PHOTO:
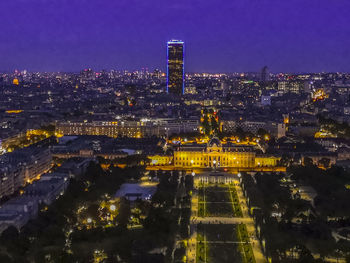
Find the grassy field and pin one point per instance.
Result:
(221, 242)
(244, 246)
(216, 243)
(218, 200)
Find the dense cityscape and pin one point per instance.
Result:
(152, 166)
(121, 141)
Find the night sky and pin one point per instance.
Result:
(220, 35)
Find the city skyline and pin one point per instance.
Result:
(187, 131)
(221, 36)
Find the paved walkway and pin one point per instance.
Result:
(221, 220)
(192, 242)
(246, 219)
(257, 249)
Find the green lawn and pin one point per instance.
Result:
(219, 209)
(245, 247)
(215, 244)
(218, 200)
(235, 201)
(218, 242)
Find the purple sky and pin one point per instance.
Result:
(220, 35)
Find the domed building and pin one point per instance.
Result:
(214, 154)
(214, 142)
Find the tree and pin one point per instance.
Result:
(214, 124)
(206, 125)
(305, 255)
(93, 171)
(92, 211)
(240, 133)
(158, 220)
(325, 162)
(308, 161)
(9, 234)
(124, 213)
(5, 258)
(262, 132)
(189, 182)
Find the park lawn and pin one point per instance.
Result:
(219, 209)
(219, 201)
(218, 232)
(219, 253)
(209, 251)
(201, 194)
(235, 200)
(201, 209)
(201, 249)
(245, 247)
(217, 194)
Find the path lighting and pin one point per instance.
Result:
(112, 208)
(89, 220)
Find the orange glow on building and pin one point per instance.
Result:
(14, 111)
(319, 95)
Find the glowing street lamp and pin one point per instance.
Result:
(214, 162)
(89, 220)
(193, 173)
(112, 207)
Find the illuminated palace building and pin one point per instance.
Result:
(175, 67)
(215, 155)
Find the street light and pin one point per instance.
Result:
(214, 162)
(193, 173)
(112, 208)
(89, 220)
(239, 175)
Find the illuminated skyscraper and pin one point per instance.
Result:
(175, 67)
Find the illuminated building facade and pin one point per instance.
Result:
(285, 87)
(133, 129)
(214, 154)
(108, 128)
(157, 160)
(21, 167)
(175, 67)
(274, 128)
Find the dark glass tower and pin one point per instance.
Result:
(175, 67)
